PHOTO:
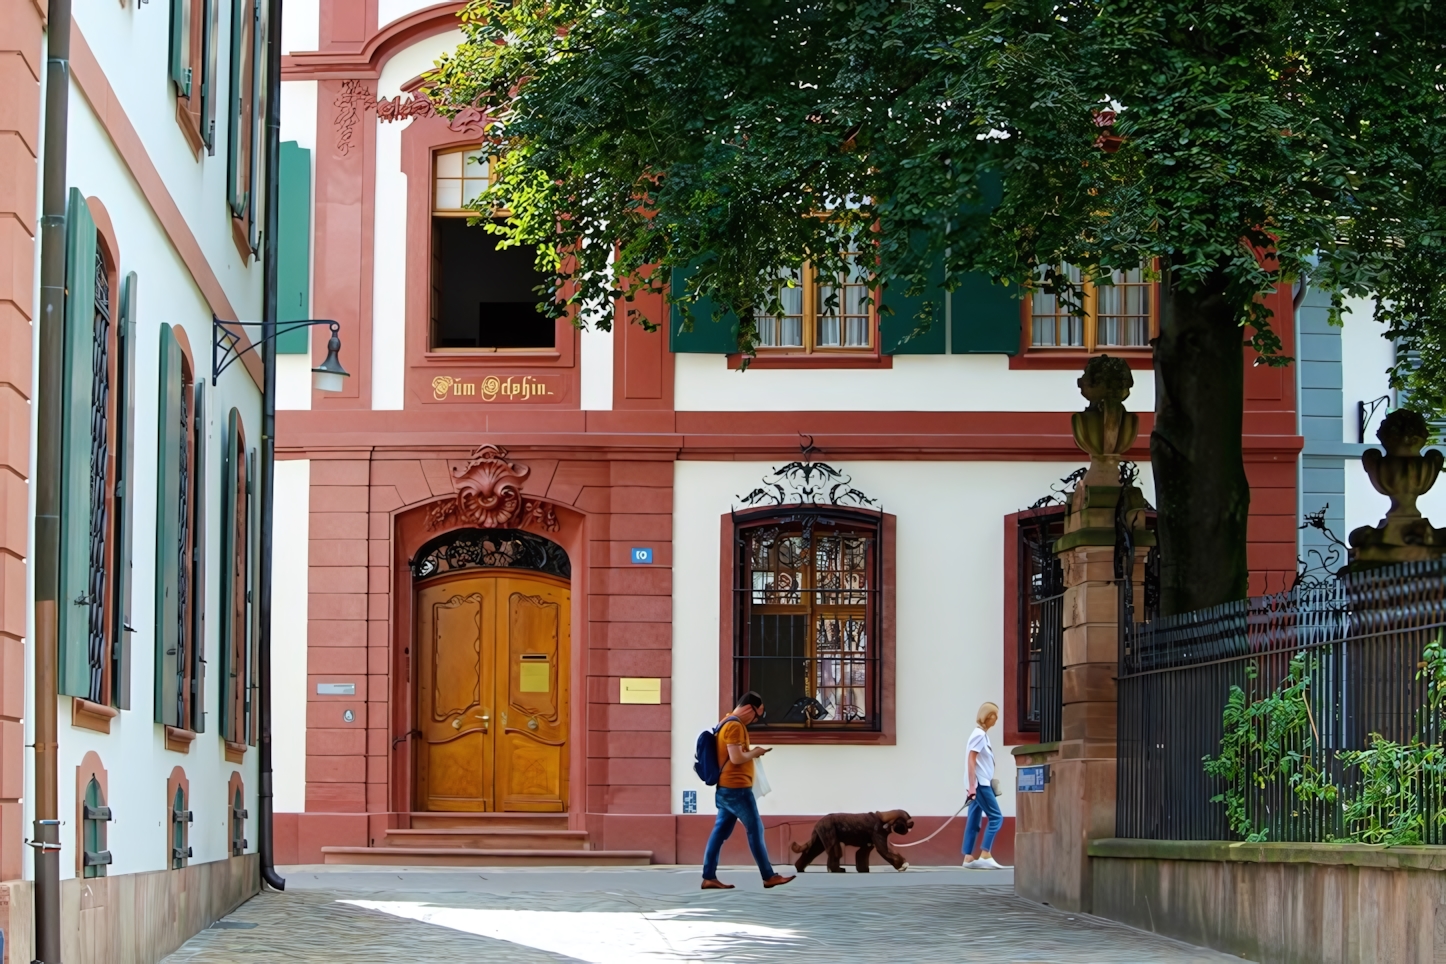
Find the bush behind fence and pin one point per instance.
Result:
(1311, 715)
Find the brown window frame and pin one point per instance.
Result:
(810, 308)
(736, 608)
(1019, 728)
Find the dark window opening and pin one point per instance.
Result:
(484, 298)
(1041, 624)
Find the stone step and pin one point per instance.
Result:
(464, 857)
(436, 819)
(487, 838)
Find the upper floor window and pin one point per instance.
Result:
(246, 116)
(1119, 314)
(807, 618)
(484, 298)
(821, 312)
(180, 540)
(193, 61)
(96, 444)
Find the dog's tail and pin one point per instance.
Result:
(797, 847)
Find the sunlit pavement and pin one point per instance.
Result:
(650, 915)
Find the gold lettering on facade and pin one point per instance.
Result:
(491, 388)
(440, 385)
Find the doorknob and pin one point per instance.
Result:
(484, 718)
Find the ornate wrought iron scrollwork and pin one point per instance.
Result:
(99, 461)
(183, 557)
(1320, 567)
(1059, 491)
(490, 549)
(807, 483)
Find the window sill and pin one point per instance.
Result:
(502, 356)
(766, 736)
(235, 752)
(242, 242)
(818, 359)
(91, 716)
(1073, 359)
(179, 740)
(189, 124)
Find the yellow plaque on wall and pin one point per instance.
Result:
(640, 689)
(535, 677)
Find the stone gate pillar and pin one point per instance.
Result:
(1053, 827)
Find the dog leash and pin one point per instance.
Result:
(931, 836)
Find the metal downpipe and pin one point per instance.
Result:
(265, 799)
(46, 554)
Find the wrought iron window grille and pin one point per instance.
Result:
(94, 599)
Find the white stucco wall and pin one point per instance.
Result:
(949, 648)
(916, 383)
(1365, 357)
(290, 566)
(133, 753)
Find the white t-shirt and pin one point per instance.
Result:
(984, 763)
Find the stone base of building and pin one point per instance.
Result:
(1279, 902)
(129, 918)
(672, 838)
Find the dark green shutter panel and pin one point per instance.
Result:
(293, 242)
(181, 46)
(168, 527)
(708, 336)
(985, 317)
(123, 574)
(230, 465)
(198, 562)
(210, 37)
(75, 472)
(900, 320)
(253, 519)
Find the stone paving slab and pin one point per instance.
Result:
(649, 918)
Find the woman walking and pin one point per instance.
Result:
(983, 801)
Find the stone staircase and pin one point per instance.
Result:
(485, 840)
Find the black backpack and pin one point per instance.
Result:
(705, 754)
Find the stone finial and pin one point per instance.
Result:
(1403, 474)
(1105, 429)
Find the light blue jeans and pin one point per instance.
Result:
(736, 804)
(984, 805)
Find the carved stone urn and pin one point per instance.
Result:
(1105, 429)
(1404, 474)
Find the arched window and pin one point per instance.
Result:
(236, 602)
(180, 829)
(96, 444)
(94, 816)
(807, 625)
(238, 816)
(180, 544)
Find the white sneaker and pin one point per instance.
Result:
(988, 863)
(969, 862)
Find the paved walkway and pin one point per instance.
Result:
(654, 915)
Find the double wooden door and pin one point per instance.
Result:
(492, 692)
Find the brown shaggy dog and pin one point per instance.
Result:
(866, 831)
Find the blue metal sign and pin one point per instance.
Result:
(642, 556)
(690, 801)
(1032, 779)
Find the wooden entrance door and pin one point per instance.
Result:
(492, 692)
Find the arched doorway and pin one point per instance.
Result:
(493, 613)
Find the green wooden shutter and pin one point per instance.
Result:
(253, 519)
(168, 526)
(984, 317)
(210, 38)
(121, 567)
(900, 321)
(707, 336)
(293, 248)
(181, 46)
(230, 465)
(198, 562)
(75, 473)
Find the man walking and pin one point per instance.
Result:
(735, 798)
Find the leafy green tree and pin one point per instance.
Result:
(1001, 135)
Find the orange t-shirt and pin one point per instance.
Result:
(734, 775)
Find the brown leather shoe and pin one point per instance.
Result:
(777, 880)
(715, 884)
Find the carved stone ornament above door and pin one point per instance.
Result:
(489, 495)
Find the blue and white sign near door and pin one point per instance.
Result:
(690, 801)
(642, 556)
(1032, 779)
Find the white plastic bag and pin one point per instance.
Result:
(761, 786)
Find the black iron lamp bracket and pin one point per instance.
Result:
(226, 335)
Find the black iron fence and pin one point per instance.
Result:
(1310, 715)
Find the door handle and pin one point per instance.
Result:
(485, 719)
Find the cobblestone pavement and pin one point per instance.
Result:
(654, 915)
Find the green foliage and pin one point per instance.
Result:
(1399, 788)
(1188, 134)
(1272, 739)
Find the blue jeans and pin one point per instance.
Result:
(735, 804)
(984, 804)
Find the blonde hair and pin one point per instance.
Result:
(984, 710)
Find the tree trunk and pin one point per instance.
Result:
(1199, 466)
